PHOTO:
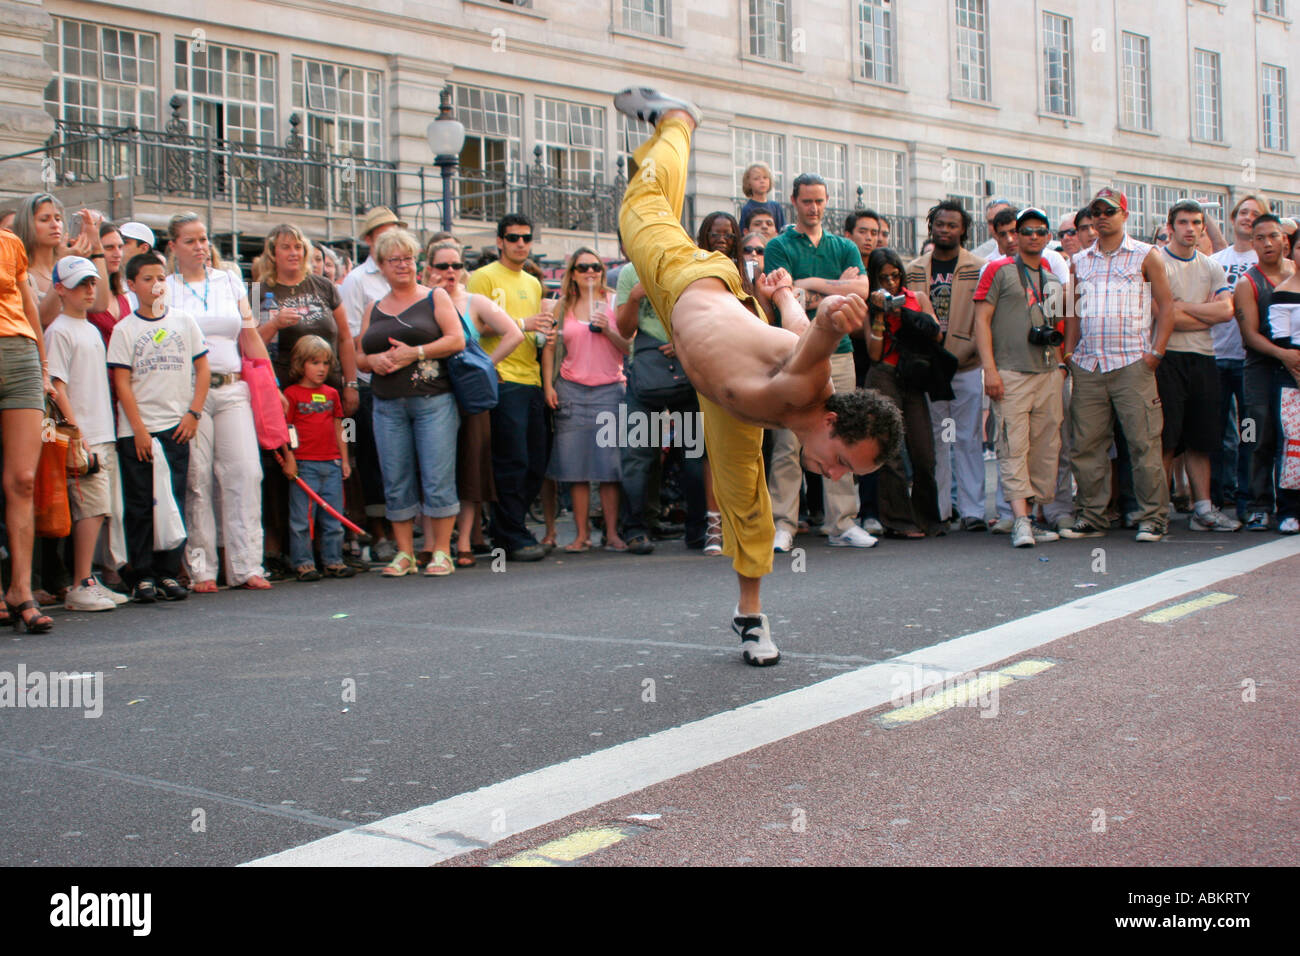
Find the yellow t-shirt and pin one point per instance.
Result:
(521, 296)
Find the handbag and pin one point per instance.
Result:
(1289, 425)
(264, 397)
(50, 497)
(79, 462)
(657, 379)
(473, 376)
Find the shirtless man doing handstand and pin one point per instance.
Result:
(749, 375)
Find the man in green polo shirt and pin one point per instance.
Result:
(821, 264)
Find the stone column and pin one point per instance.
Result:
(413, 88)
(24, 124)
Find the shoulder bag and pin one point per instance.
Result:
(473, 376)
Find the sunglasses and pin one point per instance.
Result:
(1104, 212)
(1067, 232)
(444, 266)
(754, 250)
(1036, 231)
(588, 267)
(518, 237)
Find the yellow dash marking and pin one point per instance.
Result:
(567, 849)
(1174, 612)
(1026, 668)
(967, 693)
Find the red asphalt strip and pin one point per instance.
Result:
(1139, 727)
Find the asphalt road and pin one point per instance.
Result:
(230, 729)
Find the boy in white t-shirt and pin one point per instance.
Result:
(160, 368)
(75, 351)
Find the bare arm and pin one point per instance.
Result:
(1248, 319)
(859, 286)
(1216, 235)
(362, 359)
(984, 344)
(779, 289)
(498, 320)
(836, 317)
(126, 398)
(1218, 309)
(1162, 296)
(32, 311)
(625, 315)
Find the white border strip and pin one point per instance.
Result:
(463, 823)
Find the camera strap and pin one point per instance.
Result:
(1035, 300)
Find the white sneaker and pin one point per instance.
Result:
(872, 526)
(853, 537)
(1148, 533)
(117, 599)
(1022, 535)
(648, 104)
(1003, 526)
(1288, 526)
(1044, 534)
(782, 541)
(755, 638)
(84, 598)
(1212, 520)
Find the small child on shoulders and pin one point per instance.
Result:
(320, 460)
(756, 184)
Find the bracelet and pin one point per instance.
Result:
(1063, 367)
(96, 255)
(347, 385)
(419, 352)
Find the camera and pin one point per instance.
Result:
(893, 303)
(1045, 336)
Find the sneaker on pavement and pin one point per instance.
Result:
(853, 537)
(144, 592)
(755, 638)
(1257, 521)
(1213, 520)
(782, 541)
(1022, 534)
(117, 599)
(873, 526)
(529, 552)
(86, 597)
(383, 552)
(974, 524)
(1148, 532)
(1288, 526)
(1044, 534)
(648, 104)
(1003, 526)
(172, 590)
(1082, 529)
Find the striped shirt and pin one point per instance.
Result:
(1114, 306)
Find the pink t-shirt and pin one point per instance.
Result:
(590, 358)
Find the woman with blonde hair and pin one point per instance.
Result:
(582, 379)
(481, 316)
(225, 470)
(405, 338)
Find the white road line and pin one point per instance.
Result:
(459, 824)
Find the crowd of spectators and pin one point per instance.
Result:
(1115, 382)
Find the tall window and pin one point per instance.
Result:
(967, 187)
(342, 108)
(102, 75)
(1209, 117)
(880, 174)
(769, 29)
(1138, 225)
(572, 136)
(1015, 184)
(1136, 83)
(972, 50)
(1275, 7)
(1273, 107)
(493, 130)
(1058, 65)
(646, 16)
(230, 91)
(876, 41)
(828, 160)
(1059, 195)
(632, 132)
(755, 146)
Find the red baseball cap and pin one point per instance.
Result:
(1112, 196)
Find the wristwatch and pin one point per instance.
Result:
(347, 385)
(419, 352)
(197, 415)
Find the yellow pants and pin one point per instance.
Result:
(667, 261)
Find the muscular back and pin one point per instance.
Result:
(738, 361)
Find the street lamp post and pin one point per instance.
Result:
(446, 138)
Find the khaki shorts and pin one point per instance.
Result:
(90, 496)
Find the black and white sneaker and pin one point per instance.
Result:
(755, 638)
(144, 592)
(648, 105)
(1081, 529)
(172, 590)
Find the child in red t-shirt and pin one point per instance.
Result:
(320, 459)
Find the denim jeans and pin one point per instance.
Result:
(639, 512)
(326, 479)
(416, 439)
(1233, 457)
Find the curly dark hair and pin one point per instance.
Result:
(866, 413)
